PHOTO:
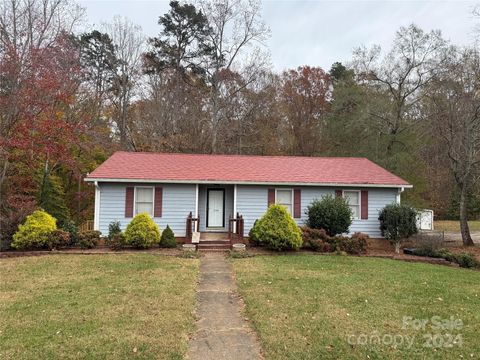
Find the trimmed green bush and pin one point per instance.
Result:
(467, 261)
(114, 229)
(463, 260)
(168, 238)
(252, 240)
(70, 227)
(331, 214)
(35, 232)
(398, 222)
(277, 230)
(142, 232)
(58, 239)
(88, 239)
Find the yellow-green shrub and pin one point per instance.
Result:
(142, 232)
(35, 232)
(277, 230)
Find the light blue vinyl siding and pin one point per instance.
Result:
(178, 201)
(202, 205)
(252, 204)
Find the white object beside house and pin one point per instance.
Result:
(425, 219)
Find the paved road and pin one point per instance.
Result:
(222, 333)
(453, 237)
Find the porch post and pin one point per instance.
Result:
(196, 207)
(234, 207)
(96, 215)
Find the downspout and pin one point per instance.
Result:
(96, 215)
(400, 190)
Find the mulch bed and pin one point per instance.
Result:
(379, 248)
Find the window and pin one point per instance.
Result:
(353, 199)
(144, 200)
(284, 197)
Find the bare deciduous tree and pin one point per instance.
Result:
(400, 76)
(237, 37)
(128, 41)
(454, 99)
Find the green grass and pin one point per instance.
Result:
(451, 225)
(307, 306)
(96, 306)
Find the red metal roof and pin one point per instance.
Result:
(129, 166)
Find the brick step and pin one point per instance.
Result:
(212, 250)
(213, 235)
(213, 246)
(217, 242)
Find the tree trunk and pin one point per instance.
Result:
(397, 247)
(464, 229)
(3, 176)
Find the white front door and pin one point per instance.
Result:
(215, 208)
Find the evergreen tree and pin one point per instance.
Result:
(51, 198)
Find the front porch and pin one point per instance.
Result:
(215, 224)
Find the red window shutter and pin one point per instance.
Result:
(338, 193)
(297, 203)
(364, 205)
(129, 202)
(271, 196)
(157, 208)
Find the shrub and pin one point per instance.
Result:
(116, 242)
(357, 244)
(35, 232)
(142, 232)
(317, 239)
(398, 222)
(252, 240)
(88, 239)
(277, 230)
(167, 239)
(463, 260)
(331, 214)
(114, 229)
(70, 227)
(467, 261)
(58, 239)
(10, 219)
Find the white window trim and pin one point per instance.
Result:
(359, 202)
(135, 199)
(285, 189)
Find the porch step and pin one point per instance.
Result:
(203, 246)
(215, 242)
(210, 236)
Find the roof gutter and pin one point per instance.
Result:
(232, 182)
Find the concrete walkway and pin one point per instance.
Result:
(222, 333)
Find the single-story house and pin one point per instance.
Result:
(217, 188)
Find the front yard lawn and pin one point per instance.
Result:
(336, 307)
(96, 306)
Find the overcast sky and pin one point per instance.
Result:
(319, 33)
